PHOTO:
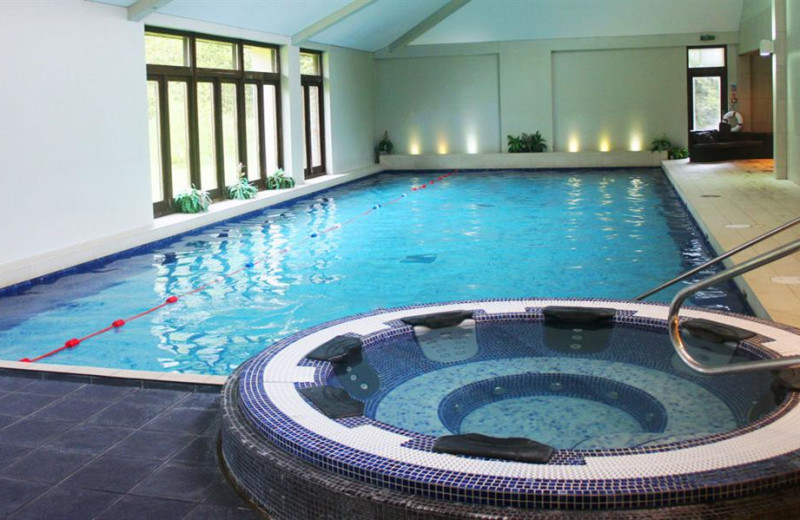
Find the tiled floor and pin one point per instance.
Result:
(77, 451)
(737, 201)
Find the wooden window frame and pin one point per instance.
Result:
(701, 72)
(307, 81)
(193, 75)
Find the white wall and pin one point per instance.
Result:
(619, 99)
(756, 24)
(793, 88)
(351, 118)
(74, 133)
(642, 81)
(439, 104)
(73, 126)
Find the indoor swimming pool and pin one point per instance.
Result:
(389, 240)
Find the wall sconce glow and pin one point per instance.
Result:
(605, 145)
(766, 48)
(573, 145)
(636, 144)
(472, 144)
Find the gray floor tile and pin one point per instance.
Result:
(139, 508)
(214, 512)
(221, 493)
(5, 420)
(126, 415)
(205, 400)
(16, 494)
(184, 420)
(151, 445)
(24, 404)
(32, 432)
(89, 439)
(10, 453)
(105, 393)
(51, 387)
(46, 465)
(152, 397)
(70, 410)
(107, 473)
(202, 450)
(178, 481)
(67, 504)
(12, 384)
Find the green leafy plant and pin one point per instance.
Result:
(663, 144)
(279, 180)
(192, 200)
(242, 189)
(535, 142)
(515, 144)
(527, 143)
(385, 145)
(677, 152)
(660, 144)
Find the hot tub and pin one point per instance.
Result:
(406, 413)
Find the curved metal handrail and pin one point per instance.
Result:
(723, 256)
(673, 321)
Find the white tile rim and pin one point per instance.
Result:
(750, 447)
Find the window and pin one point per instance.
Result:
(313, 114)
(707, 87)
(212, 103)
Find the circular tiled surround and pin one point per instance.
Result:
(377, 454)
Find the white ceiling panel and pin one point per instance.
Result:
(379, 24)
(509, 20)
(382, 22)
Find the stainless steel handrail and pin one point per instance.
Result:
(673, 321)
(721, 257)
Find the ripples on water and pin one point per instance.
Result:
(592, 234)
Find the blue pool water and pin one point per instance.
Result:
(610, 234)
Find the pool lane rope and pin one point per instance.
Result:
(119, 323)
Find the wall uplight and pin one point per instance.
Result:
(573, 145)
(472, 144)
(636, 143)
(413, 148)
(441, 148)
(605, 145)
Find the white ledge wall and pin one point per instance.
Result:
(74, 134)
(523, 160)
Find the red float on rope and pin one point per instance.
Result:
(74, 342)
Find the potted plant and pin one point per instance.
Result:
(385, 145)
(527, 143)
(535, 142)
(662, 144)
(242, 189)
(279, 180)
(515, 144)
(192, 200)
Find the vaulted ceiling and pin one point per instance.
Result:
(379, 23)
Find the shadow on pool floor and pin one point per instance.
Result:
(82, 451)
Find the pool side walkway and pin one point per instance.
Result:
(736, 201)
(70, 450)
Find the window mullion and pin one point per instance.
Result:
(166, 152)
(262, 156)
(218, 143)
